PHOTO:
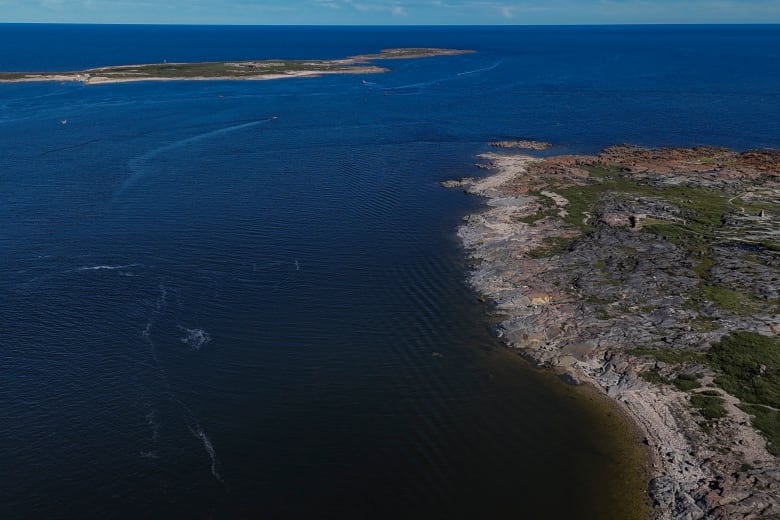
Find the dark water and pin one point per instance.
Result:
(208, 312)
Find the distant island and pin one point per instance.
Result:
(653, 275)
(231, 70)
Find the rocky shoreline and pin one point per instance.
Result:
(653, 275)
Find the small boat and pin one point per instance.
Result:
(64, 122)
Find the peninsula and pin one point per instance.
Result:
(654, 275)
(231, 70)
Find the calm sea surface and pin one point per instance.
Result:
(207, 312)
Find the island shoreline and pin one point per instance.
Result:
(249, 70)
(724, 473)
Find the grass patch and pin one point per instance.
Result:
(739, 358)
(704, 266)
(709, 406)
(602, 313)
(676, 357)
(582, 204)
(236, 69)
(772, 246)
(552, 246)
(704, 324)
(768, 421)
(686, 382)
(598, 300)
(7, 76)
(704, 208)
(749, 367)
(536, 217)
(653, 376)
(673, 232)
(727, 299)
(543, 200)
(745, 467)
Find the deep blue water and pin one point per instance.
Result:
(209, 312)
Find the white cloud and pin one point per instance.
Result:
(330, 4)
(394, 8)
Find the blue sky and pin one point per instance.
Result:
(391, 12)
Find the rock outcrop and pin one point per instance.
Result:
(636, 270)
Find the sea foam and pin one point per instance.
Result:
(106, 267)
(195, 338)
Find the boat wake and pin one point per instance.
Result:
(477, 71)
(139, 165)
(433, 83)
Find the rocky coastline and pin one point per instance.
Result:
(654, 275)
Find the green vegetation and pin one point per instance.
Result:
(212, 69)
(709, 406)
(551, 246)
(676, 233)
(686, 382)
(241, 69)
(727, 299)
(703, 208)
(683, 382)
(704, 266)
(653, 376)
(192, 70)
(582, 204)
(602, 313)
(536, 217)
(749, 365)
(543, 200)
(704, 324)
(710, 393)
(749, 368)
(746, 364)
(768, 422)
(676, 357)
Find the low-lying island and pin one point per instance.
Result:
(231, 70)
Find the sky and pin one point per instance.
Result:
(391, 12)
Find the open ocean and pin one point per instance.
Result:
(207, 312)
